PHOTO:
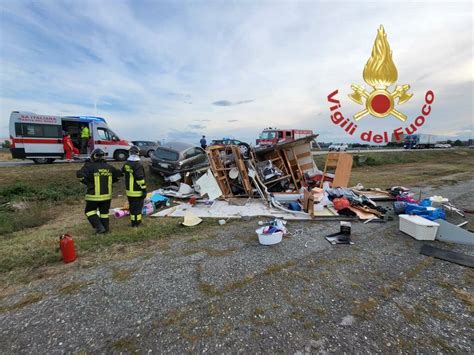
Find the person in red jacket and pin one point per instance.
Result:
(69, 148)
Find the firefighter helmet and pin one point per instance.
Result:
(97, 154)
(134, 150)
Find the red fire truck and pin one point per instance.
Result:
(271, 136)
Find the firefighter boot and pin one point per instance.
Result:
(139, 220)
(133, 220)
(136, 220)
(105, 223)
(95, 222)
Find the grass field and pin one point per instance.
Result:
(51, 204)
(5, 154)
(409, 168)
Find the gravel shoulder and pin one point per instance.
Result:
(220, 291)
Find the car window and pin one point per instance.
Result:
(166, 154)
(192, 152)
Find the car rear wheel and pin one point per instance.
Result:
(43, 160)
(244, 150)
(120, 155)
(150, 153)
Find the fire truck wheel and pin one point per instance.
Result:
(120, 155)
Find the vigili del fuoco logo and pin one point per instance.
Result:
(380, 102)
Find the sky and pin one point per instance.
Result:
(175, 70)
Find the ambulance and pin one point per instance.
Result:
(40, 137)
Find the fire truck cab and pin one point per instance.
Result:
(271, 136)
(40, 137)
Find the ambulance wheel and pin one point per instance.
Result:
(43, 160)
(120, 155)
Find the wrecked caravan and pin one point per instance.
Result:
(40, 137)
(282, 168)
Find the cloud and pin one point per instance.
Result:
(196, 126)
(141, 64)
(179, 95)
(174, 134)
(230, 103)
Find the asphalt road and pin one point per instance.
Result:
(9, 163)
(15, 163)
(357, 151)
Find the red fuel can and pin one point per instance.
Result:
(66, 245)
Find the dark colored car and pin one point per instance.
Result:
(244, 147)
(147, 148)
(177, 157)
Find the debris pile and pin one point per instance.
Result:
(281, 181)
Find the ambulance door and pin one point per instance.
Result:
(103, 139)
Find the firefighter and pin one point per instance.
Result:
(85, 134)
(98, 176)
(134, 176)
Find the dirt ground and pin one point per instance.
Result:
(217, 290)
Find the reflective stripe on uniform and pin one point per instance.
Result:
(139, 217)
(98, 198)
(134, 193)
(130, 182)
(97, 184)
(104, 215)
(141, 183)
(91, 213)
(110, 185)
(132, 217)
(131, 192)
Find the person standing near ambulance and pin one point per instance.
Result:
(98, 176)
(134, 177)
(69, 149)
(85, 135)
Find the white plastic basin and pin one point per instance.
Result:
(269, 239)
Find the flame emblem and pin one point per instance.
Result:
(380, 72)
